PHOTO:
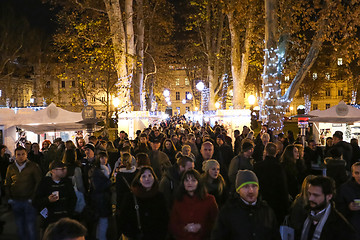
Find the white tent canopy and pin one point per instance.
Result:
(340, 113)
(49, 119)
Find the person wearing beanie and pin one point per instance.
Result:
(245, 216)
(242, 161)
(87, 164)
(214, 181)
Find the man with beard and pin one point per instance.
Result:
(324, 222)
(245, 216)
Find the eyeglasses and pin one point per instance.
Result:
(62, 169)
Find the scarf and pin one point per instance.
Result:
(321, 218)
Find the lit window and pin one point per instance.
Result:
(177, 81)
(178, 110)
(340, 61)
(314, 76)
(327, 76)
(328, 92)
(177, 95)
(0, 93)
(340, 92)
(287, 78)
(187, 81)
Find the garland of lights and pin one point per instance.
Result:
(273, 103)
(307, 103)
(353, 97)
(205, 97)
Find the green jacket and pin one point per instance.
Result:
(22, 185)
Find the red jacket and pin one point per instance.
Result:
(193, 210)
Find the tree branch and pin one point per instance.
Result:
(90, 8)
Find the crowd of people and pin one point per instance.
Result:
(180, 180)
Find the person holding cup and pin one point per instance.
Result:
(55, 196)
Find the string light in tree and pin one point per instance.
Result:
(273, 104)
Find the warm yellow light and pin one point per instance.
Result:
(291, 108)
(116, 102)
(217, 105)
(251, 99)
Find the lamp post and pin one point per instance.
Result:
(200, 87)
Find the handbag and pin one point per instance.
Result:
(140, 235)
(80, 201)
(287, 232)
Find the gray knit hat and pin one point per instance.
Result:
(244, 177)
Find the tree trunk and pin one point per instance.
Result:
(139, 74)
(271, 104)
(117, 30)
(239, 61)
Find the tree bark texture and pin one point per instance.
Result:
(117, 30)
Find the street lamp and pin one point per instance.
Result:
(200, 87)
(217, 105)
(166, 93)
(189, 96)
(251, 100)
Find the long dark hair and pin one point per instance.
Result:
(200, 191)
(288, 161)
(173, 148)
(136, 182)
(70, 159)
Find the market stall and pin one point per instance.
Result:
(342, 117)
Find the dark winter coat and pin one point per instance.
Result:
(237, 220)
(347, 193)
(159, 162)
(154, 216)
(336, 228)
(335, 168)
(227, 153)
(239, 162)
(346, 150)
(121, 187)
(100, 193)
(64, 207)
(273, 187)
(169, 183)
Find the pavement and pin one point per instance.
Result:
(7, 216)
